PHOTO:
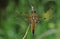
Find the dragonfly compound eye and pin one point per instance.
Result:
(33, 11)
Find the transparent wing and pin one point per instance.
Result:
(22, 16)
(46, 16)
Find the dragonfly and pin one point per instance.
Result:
(34, 18)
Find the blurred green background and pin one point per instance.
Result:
(14, 19)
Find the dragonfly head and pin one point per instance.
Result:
(33, 10)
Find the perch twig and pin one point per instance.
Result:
(26, 33)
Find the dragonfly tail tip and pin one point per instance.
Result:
(33, 32)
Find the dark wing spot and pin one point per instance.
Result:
(44, 18)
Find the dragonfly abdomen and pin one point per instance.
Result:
(33, 27)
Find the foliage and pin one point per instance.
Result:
(14, 13)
